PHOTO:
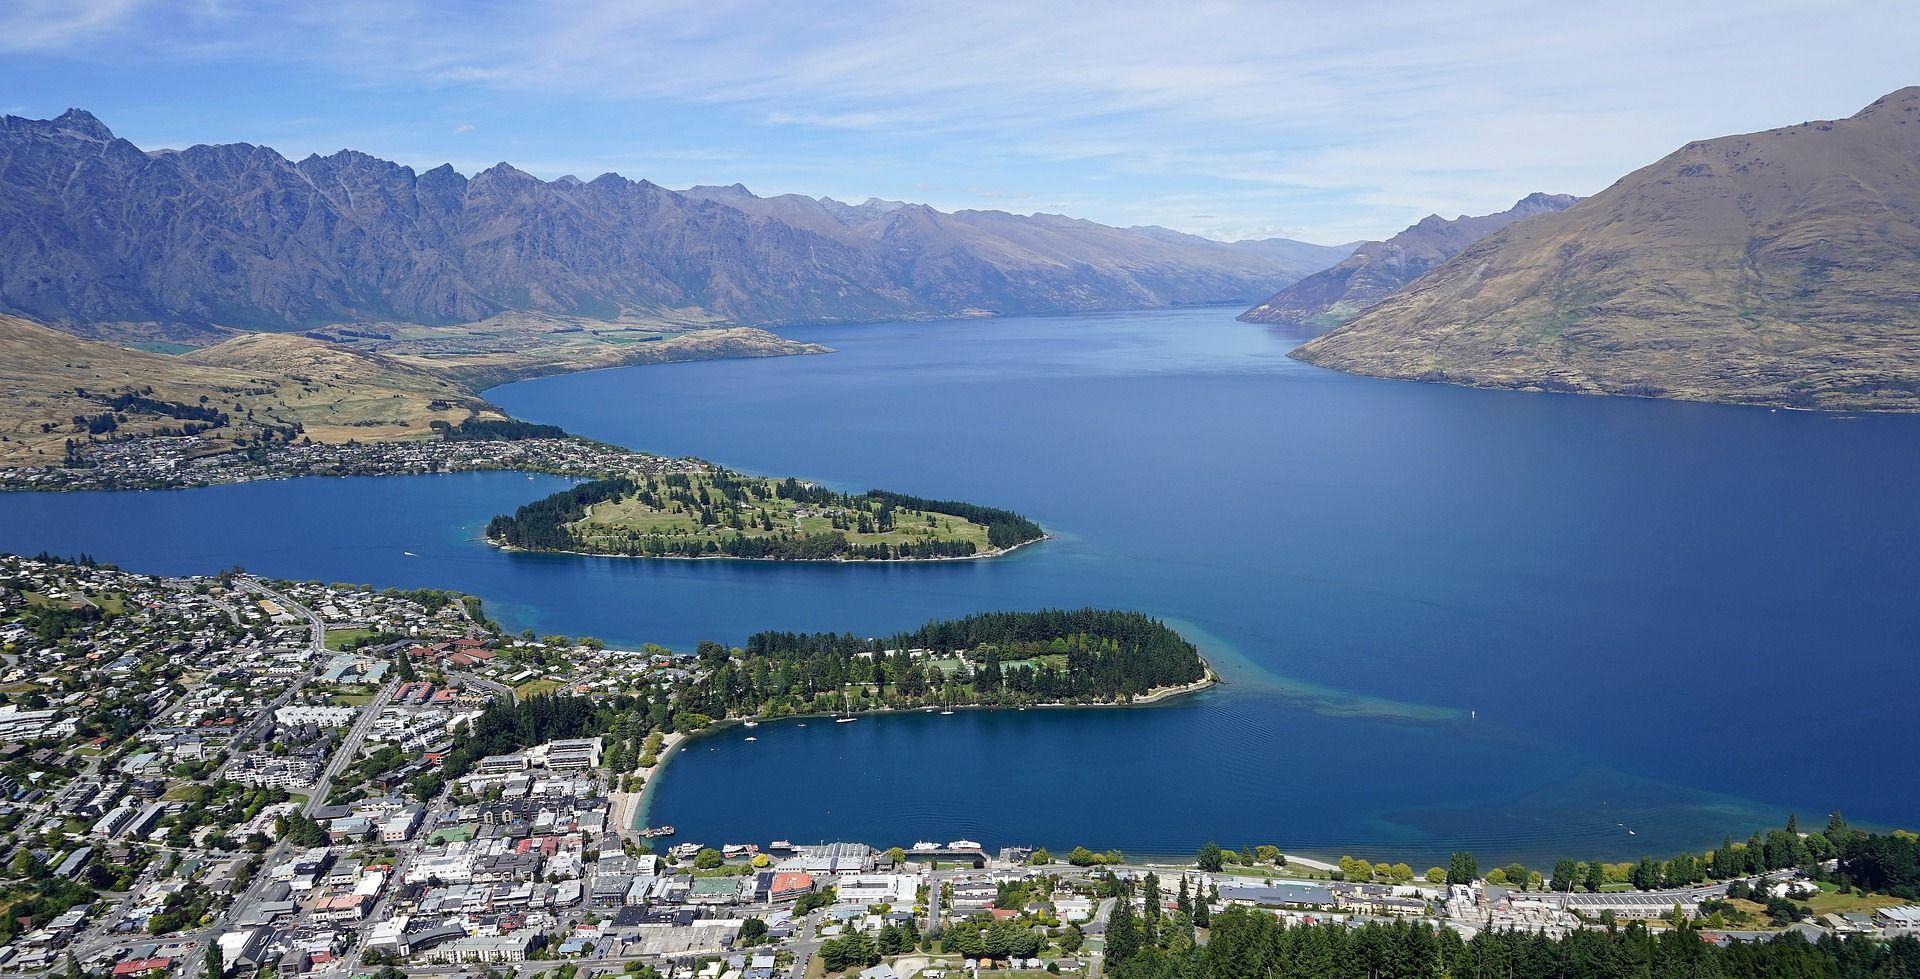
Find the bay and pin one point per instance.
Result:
(1530, 624)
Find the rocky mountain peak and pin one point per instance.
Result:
(83, 123)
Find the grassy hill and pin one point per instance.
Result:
(1780, 267)
(55, 387)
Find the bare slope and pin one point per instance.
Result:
(1780, 267)
(237, 391)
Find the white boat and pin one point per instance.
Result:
(752, 738)
(924, 845)
(845, 720)
(409, 554)
(963, 845)
(753, 724)
(945, 712)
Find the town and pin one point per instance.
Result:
(201, 460)
(226, 775)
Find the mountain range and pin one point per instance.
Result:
(1780, 268)
(95, 230)
(1377, 269)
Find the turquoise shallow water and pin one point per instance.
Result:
(1529, 624)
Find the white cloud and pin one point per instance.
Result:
(40, 25)
(463, 129)
(1339, 120)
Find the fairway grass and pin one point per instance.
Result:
(676, 514)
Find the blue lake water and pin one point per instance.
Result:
(1527, 624)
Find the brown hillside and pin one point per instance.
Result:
(1780, 267)
(48, 378)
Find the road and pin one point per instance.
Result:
(316, 647)
(342, 756)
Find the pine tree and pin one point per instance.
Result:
(1462, 868)
(1123, 933)
(1210, 858)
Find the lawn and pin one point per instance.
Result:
(337, 639)
(536, 688)
(351, 695)
(1831, 901)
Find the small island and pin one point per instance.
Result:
(703, 511)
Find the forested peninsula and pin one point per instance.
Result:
(711, 512)
(1083, 657)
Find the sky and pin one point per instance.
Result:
(1325, 121)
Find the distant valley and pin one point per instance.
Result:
(1378, 269)
(1776, 268)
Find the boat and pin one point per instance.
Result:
(409, 554)
(924, 845)
(752, 738)
(845, 720)
(657, 831)
(946, 712)
(963, 845)
(753, 724)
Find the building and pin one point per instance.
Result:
(502, 764)
(484, 948)
(1902, 919)
(573, 755)
(837, 858)
(295, 715)
(399, 827)
(789, 885)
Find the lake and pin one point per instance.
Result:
(1527, 624)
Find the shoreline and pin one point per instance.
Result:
(671, 744)
(996, 553)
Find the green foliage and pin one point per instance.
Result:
(496, 430)
(1209, 858)
(852, 950)
(1244, 944)
(1083, 857)
(1004, 527)
(980, 937)
(1080, 655)
(725, 499)
(1462, 868)
(753, 931)
(814, 901)
(504, 727)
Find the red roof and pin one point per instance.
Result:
(784, 883)
(132, 966)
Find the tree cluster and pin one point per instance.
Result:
(1246, 944)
